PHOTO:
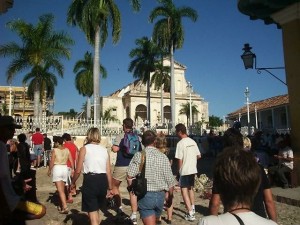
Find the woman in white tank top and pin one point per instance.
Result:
(94, 162)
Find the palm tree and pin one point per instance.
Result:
(107, 115)
(145, 56)
(161, 80)
(84, 78)
(169, 32)
(43, 77)
(41, 50)
(94, 17)
(185, 110)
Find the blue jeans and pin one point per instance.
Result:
(151, 204)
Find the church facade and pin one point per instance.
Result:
(131, 101)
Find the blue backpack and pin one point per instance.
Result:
(131, 144)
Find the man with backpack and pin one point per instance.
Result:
(126, 145)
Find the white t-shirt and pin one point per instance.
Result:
(249, 218)
(187, 150)
(287, 152)
(95, 160)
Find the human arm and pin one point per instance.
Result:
(51, 164)
(71, 161)
(116, 143)
(109, 178)
(270, 205)
(133, 168)
(79, 165)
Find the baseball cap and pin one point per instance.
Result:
(9, 121)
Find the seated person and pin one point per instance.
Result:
(285, 163)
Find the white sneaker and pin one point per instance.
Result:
(193, 210)
(189, 217)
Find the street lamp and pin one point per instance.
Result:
(190, 90)
(247, 94)
(249, 58)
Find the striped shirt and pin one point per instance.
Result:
(158, 169)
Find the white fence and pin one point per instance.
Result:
(57, 125)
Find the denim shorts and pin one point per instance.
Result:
(38, 149)
(151, 204)
(187, 181)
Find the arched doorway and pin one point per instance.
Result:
(167, 114)
(140, 114)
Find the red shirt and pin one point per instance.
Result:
(37, 138)
(73, 151)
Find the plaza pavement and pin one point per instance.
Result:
(288, 214)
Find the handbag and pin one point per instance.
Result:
(139, 184)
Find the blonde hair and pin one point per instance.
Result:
(93, 135)
(161, 143)
(247, 143)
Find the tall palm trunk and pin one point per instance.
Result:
(162, 103)
(36, 107)
(96, 77)
(88, 108)
(162, 96)
(148, 101)
(172, 92)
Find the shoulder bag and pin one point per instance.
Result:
(139, 183)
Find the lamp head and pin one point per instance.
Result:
(248, 57)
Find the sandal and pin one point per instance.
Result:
(64, 211)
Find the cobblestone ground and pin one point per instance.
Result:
(287, 215)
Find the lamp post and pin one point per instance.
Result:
(190, 90)
(249, 58)
(247, 94)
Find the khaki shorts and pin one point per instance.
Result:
(120, 173)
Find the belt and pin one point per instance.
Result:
(92, 173)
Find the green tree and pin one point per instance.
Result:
(215, 121)
(41, 51)
(107, 115)
(94, 17)
(185, 110)
(169, 32)
(161, 80)
(84, 78)
(145, 57)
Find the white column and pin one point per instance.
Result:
(10, 101)
(256, 122)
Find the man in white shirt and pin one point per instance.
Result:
(187, 154)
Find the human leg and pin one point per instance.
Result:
(94, 218)
(186, 183)
(281, 175)
(60, 186)
(134, 207)
(115, 186)
(149, 220)
(119, 175)
(151, 206)
(192, 198)
(186, 198)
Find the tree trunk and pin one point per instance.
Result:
(162, 103)
(96, 77)
(36, 107)
(88, 108)
(172, 92)
(148, 102)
